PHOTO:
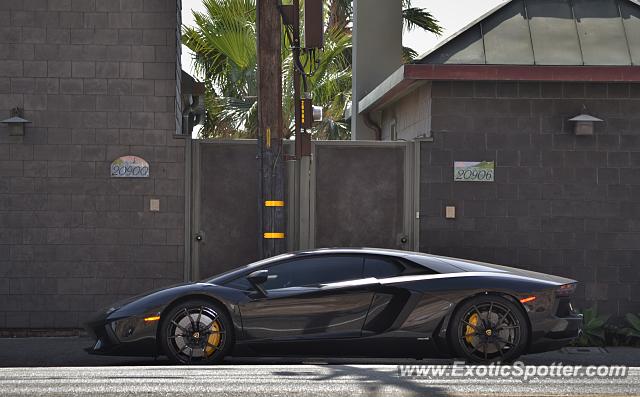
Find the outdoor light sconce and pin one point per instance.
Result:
(585, 124)
(16, 122)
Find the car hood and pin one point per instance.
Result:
(124, 302)
(475, 266)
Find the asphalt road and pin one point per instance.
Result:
(58, 366)
(284, 380)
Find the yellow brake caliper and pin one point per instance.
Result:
(214, 339)
(473, 320)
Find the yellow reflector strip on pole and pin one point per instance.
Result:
(273, 235)
(274, 203)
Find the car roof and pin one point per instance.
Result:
(429, 261)
(356, 250)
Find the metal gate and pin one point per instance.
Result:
(226, 218)
(361, 195)
(347, 194)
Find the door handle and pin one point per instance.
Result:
(404, 240)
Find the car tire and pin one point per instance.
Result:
(196, 331)
(489, 328)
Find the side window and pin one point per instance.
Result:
(381, 268)
(314, 271)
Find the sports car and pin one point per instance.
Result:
(347, 302)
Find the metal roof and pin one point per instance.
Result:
(547, 32)
(15, 120)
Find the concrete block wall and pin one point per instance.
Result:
(98, 81)
(562, 204)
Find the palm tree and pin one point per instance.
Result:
(223, 41)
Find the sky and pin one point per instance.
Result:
(452, 14)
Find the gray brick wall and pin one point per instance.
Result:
(562, 204)
(98, 81)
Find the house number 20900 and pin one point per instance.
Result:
(129, 167)
(129, 170)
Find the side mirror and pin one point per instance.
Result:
(258, 278)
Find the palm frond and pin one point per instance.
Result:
(223, 42)
(408, 54)
(418, 17)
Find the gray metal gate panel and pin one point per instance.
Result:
(226, 212)
(348, 194)
(362, 194)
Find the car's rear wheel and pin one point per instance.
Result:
(489, 328)
(196, 332)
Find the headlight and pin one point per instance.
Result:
(125, 327)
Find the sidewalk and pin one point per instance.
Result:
(69, 352)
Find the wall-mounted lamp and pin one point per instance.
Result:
(585, 123)
(16, 122)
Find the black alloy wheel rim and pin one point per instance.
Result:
(489, 331)
(196, 334)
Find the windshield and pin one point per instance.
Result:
(222, 277)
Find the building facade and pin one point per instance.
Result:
(98, 80)
(504, 90)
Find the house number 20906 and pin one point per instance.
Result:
(474, 175)
(473, 171)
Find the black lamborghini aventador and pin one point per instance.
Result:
(347, 302)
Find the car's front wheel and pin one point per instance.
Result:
(196, 331)
(489, 328)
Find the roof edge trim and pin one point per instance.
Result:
(396, 85)
(392, 83)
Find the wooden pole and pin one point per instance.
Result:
(296, 74)
(270, 130)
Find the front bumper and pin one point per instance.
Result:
(122, 337)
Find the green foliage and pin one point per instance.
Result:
(329, 83)
(593, 331)
(419, 18)
(601, 330)
(223, 41)
(631, 333)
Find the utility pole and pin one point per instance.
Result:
(296, 77)
(271, 159)
(313, 35)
